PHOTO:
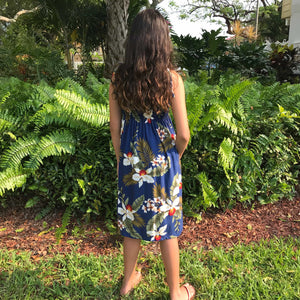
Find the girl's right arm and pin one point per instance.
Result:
(180, 114)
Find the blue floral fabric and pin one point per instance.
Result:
(149, 184)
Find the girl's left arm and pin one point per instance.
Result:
(115, 121)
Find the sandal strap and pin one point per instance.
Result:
(187, 290)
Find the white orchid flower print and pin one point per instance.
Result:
(126, 212)
(170, 206)
(130, 159)
(178, 185)
(155, 234)
(148, 116)
(142, 176)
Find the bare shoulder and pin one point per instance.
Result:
(176, 79)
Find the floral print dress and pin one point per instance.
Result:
(149, 183)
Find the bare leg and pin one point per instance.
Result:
(170, 255)
(131, 278)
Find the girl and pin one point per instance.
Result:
(148, 150)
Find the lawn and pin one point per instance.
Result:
(265, 270)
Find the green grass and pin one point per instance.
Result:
(269, 270)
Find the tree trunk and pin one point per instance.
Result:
(117, 14)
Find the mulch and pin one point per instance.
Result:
(20, 231)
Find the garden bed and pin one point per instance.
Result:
(19, 229)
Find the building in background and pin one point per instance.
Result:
(291, 14)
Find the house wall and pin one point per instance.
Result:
(286, 9)
(294, 33)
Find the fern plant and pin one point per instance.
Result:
(52, 122)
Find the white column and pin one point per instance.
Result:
(294, 34)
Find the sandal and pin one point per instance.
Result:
(190, 291)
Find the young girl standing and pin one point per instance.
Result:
(148, 149)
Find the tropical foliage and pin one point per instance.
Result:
(244, 144)
(55, 144)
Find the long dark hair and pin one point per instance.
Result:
(143, 82)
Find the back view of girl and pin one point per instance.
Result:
(148, 149)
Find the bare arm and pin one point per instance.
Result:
(115, 121)
(180, 114)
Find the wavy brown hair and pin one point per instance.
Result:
(143, 82)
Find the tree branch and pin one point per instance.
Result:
(18, 14)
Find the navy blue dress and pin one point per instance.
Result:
(149, 184)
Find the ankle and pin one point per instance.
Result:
(175, 293)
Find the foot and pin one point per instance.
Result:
(186, 292)
(129, 286)
(190, 291)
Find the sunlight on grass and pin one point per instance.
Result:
(269, 270)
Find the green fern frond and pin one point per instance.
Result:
(194, 102)
(261, 143)
(69, 84)
(210, 196)
(94, 114)
(7, 121)
(13, 156)
(4, 98)
(54, 114)
(98, 90)
(226, 154)
(65, 222)
(11, 179)
(55, 143)
(234, 93)
(224, 118)
(45, 93)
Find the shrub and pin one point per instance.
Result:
(244, 143)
